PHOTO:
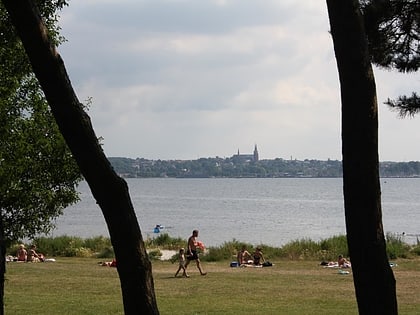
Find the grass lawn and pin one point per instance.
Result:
(81, 286)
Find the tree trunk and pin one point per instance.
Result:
(109, 190)
(2, 263)
(373, 278)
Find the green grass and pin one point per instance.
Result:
(80, 286)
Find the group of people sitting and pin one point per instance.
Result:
(244, 258)
(29, 255)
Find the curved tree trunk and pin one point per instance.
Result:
(373, 278)
(109, 190)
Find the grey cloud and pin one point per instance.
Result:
(186, 16)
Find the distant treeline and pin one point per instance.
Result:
(231, 167)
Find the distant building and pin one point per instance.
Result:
(246, 158)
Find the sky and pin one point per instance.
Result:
(188, 79)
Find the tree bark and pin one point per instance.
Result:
(2, 264)
(109, 190)
(373, 278)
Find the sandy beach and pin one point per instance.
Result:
(167, 254)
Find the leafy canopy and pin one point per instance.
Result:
(38, 173)
(393, 29)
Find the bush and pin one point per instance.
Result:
(165, 241)
(227, 251)
(416, 250)
(303, 249)
(106, 252)
(98, 244)
(71, 246)
(154, 254)
(334, 246)
(59, 246)
(396, 247)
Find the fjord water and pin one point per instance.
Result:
(270, 211)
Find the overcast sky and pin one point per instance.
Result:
(184, 79)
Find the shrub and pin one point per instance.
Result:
(396, 247)
(83, 252)
(226, 251)
(325, 250)
(106, 252)
(334, 246)
(154, 254)
(59, 246)
(165, 241)
(271, 253)
(416, 250)
(302, 249)
(98, 244)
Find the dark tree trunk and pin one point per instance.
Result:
(2, 263)
(373, 278)
(109, 190)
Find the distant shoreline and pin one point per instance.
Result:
(235, 167)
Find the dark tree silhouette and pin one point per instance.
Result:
(393, 30)
(37, 170)
(405, 106)
(373, 278)
(109, 190)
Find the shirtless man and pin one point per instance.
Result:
(192, 253)
(243, 256)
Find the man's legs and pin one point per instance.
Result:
(199, 267)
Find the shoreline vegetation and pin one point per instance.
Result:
(299, 249)
(76, 283)
(245, 166)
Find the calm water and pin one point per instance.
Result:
(269, 211)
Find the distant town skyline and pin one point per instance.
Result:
(190, 79)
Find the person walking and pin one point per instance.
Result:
(192, 253)
(181, 263)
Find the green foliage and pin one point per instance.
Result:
(393, 31)
(301, 249)
(38, 172)
(166, 241)
(205, 167)
(106, 252)
(405, 106)
(154, 254)
(395, 246)
(334, 246)
(416, 250)
(66, 246)
(227, 250)
(70, 246)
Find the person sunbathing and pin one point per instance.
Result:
(244, 257)
(342, 262)
(33, 256)
(22, 253)
(258, 257)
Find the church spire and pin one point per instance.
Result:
(256, 157)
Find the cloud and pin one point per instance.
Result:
(186, 79)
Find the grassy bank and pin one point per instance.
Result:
(81, 286)
(300, 249)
